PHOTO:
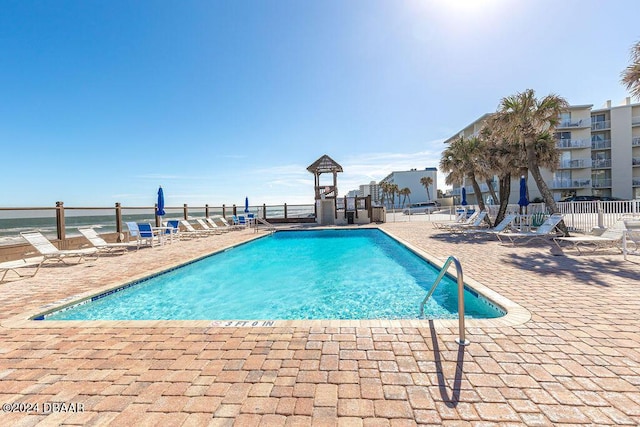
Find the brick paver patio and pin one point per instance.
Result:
(576, 360)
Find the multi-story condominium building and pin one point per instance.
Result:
(411, 179)
(599, 153)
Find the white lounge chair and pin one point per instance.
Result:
(224, 222)
(215, 226)
(544, 231)
(460, 219)
(101, 245)
(475, 224)
(206, 227)
(50, 253)
(502, 226)
(191, 231)
(611, 238)
(15, 266)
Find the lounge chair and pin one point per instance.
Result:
(192, 232)
(224, 222)
(15, 266)
(611, 238)
(215, 226)
(502, 226)
(544, 231)
(205, 226)
(460, 219)
(101, 245)
(475, 224)
(51, 253)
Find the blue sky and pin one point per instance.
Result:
(102, 101)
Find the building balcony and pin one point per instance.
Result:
(635, 121)
(568, 144)
(582, 123)
(575, 164)
(601, 125)
(635, 182)
(601, 145)
(570, 183)
(635, 161)
(635, 142)
(601, 163)
(601, 183)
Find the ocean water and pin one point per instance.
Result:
(12, 223)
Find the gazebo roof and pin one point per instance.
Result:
(324, 164)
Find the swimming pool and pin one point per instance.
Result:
(319, 274)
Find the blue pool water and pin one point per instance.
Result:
(320, 274)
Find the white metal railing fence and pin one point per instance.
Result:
(573, 143)
(604, 124)
(585, 216)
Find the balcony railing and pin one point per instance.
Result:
(600, 145)
(606, 124)
(635, 182)
(635, 142)
(573, 123)
(575, 164)
(601, 163)
(572, 143)
(635, 121)
(570, 183)
(635, 161)
(601, 183)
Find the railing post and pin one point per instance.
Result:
(118, 222)
(264, 210)
(186, 211)
(224, 211)
(285, 211)
(234, 210)
(155, 211)
(60, 221)
(206, 211)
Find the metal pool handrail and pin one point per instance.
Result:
(461, 339)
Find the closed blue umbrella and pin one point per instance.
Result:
(246, 205)
(160, 209)
(523, 202)
(464, 197)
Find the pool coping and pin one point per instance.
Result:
(515, 313)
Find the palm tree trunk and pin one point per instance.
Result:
(547, 196)
(494, 196)
(478, 192)
(505, 192)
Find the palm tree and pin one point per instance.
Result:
(426, 181)
(393, 190)
(631, 74)
(461, 160)
(384, 189)
(406, 191)
(529, 123)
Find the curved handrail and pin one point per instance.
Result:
(461, 339)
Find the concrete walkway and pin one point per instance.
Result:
(575, 361)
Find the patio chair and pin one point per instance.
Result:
(475, 224)
(611, 238)
(15, 266)
(175, 225)
(215, 226)
(460, 219)
(191, 231)
(51, 253)
(506, 222)
(134, 232)
(101, 245)
(224, 222)
(206, 227)
(547, 229)
(147, 235)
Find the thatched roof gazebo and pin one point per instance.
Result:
(325, 164)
